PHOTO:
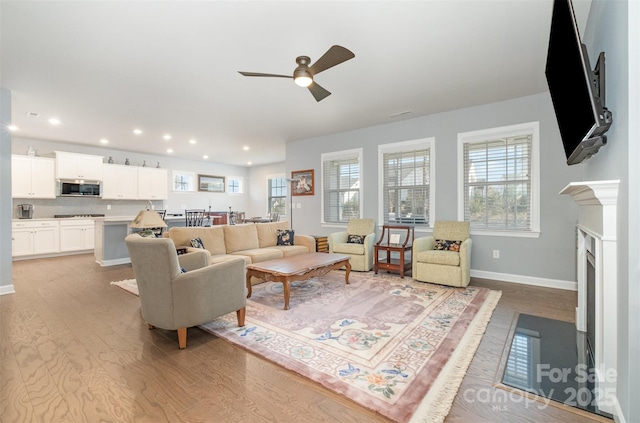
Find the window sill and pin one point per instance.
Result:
(516, 234)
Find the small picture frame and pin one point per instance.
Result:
(303, 182)
(208, 183)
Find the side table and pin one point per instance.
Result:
(322, 245)
(384, 244)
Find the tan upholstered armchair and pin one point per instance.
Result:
(361, 254)
(173, 300)
(444, 266)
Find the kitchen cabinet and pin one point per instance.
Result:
(78, 166)
(119, 182)
(35, 237)
(32, 177)
(152, 184)
(77, 235)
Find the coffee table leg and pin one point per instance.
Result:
(248, 284)
(287, 291)
(346, 273)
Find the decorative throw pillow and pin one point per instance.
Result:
(285, 237)
(355, 239)
(197, 243)
(443, 244)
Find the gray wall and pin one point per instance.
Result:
(613, 28)
(551, 256)
(176, 202)
(258, 176)
(6, 280)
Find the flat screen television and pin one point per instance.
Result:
(577, 92)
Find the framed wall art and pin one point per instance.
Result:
(303, 182)
(209, 183)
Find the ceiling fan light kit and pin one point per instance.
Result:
(303, 74)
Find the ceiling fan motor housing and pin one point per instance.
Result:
(301, 74)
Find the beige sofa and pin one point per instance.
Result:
(255, 242)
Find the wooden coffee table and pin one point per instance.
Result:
(296, 268)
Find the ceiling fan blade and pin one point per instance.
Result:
(264, 74)
(334, 56)
(318, 92)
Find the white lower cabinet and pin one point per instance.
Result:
(35, 237)
(76, 235)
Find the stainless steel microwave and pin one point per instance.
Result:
(76, 188)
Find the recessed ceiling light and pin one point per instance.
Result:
(249, 163)
(192, 141)
(104, 141)
(54, 121)
(169, 150)
(205, 157)
(166, 136)
(245, 148)
(12, 128)
(137, 131)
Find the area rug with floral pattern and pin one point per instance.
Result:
(396, 346)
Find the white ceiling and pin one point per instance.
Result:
(105, 68)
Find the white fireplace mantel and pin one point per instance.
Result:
(597, 224)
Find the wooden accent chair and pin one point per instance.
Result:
(175, 300)
(361, 253)
(445, 257)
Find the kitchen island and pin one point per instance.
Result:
(110, 232)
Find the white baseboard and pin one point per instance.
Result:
(526, 280)
(105, 263)
(7, 289)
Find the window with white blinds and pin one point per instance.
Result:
(341, 186)
(499, 177)
(406, 182)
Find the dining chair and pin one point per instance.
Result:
(194, 217)
(275, 217)
(158, 231)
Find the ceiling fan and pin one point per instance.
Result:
(303, 74)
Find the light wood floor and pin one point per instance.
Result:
(73, 348)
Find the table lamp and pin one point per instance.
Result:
(147, 220)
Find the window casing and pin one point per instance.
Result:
(277, 195)
(406, 175)
(183, 181)
(235, 185)
(499, 180)
(341, 186)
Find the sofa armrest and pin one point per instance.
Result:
(194, 259)
(306, 241)
(336, 238)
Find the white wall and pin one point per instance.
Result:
(176, 202)
(6, 281)
(613, 28)
(549, 259)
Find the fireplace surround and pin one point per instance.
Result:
(597, 236)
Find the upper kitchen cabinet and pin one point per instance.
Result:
(119, 182)
(152, 184)
(78, 166)
(32, 177)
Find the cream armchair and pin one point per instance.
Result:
(443, 266)
(361, 254)
(175, 300)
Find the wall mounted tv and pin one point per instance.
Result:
(577, 92)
